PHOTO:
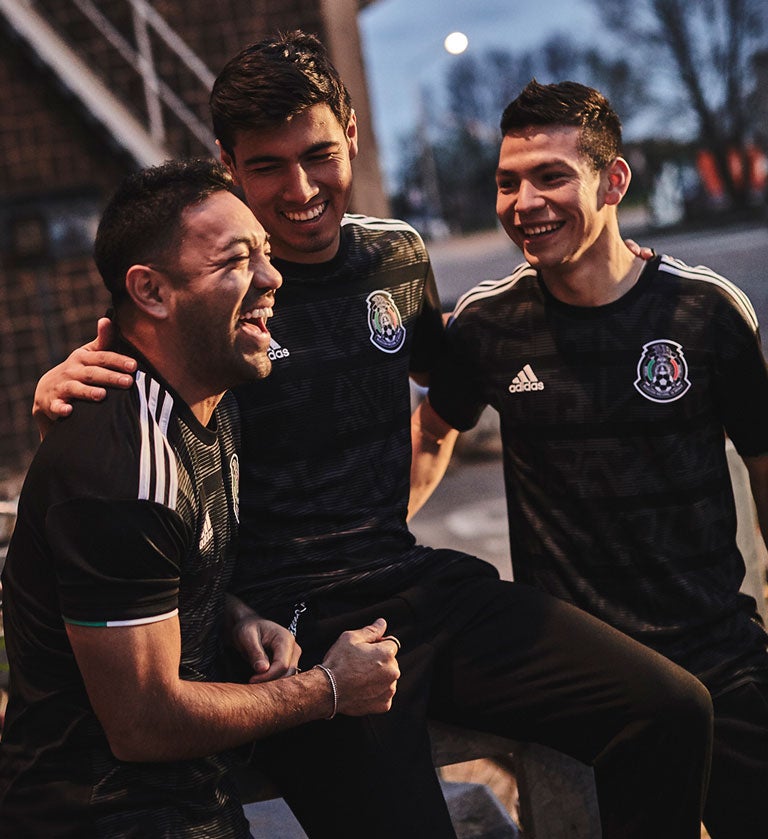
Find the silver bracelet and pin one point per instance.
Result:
(334, 689)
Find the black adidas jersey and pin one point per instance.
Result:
(612, 421)
(127, 516)
(326, 440)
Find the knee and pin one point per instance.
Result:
(685, 705)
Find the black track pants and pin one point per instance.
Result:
(508, 659)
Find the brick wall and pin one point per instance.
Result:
(58, 165)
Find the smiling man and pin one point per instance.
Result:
(115, 580)
(616, 382)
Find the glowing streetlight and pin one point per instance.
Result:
(456, 43)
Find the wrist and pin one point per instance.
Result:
(236, 611)
(331, 679)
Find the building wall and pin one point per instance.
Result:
(58, 165)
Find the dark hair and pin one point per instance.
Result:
(142, 221)
(573, 104)
(272, 80)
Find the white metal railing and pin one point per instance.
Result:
(146, 17)
(145, 142)
(82, 82)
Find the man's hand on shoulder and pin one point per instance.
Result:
(84, 374)
(640, 250)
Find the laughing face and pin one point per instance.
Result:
(550, 200)
(297, 179)
(223, 295)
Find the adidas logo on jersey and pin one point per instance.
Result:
(275, 351)
(525, 380)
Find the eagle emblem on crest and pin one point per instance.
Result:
(662, 371)
(385, 322)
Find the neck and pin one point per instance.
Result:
(203, 408)
(162, 355)
(308, 257)
(600, 274)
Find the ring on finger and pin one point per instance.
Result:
(392, 638)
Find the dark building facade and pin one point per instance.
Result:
(93, 89)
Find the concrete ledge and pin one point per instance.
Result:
(557, 793)
(475, 812)
(450, 745)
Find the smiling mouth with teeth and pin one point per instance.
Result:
(311, 214)
(531, 230)
(257, 317)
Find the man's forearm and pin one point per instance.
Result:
(432, 442)
(149, 713)
(201, 718)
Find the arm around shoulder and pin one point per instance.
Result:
(84, 374)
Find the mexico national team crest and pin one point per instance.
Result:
(234, 474)
(385, 322)
(662, 372)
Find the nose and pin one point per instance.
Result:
(276, 278)
(528, 197)
(267, 277)
(299, 187)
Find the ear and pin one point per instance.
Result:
(149, 290)
(351, 133)
(618, 176)
(229, 162)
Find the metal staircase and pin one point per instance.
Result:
(87, 52)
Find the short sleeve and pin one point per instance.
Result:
(429, 334)
(741, 385)
(116, 562)
(455, 390)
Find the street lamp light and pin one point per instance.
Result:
(456, 43)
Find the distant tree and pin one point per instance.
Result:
(466, 164)
(446, 181)
(508, 74)
(706, 48)
(623, 83)
(479, 87)
(561, 58)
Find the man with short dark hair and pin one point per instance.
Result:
(616, 381)
(115, 580)
(324, 539)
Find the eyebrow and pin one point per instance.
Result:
(251, 242)
(274, 158)
(539, 167)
